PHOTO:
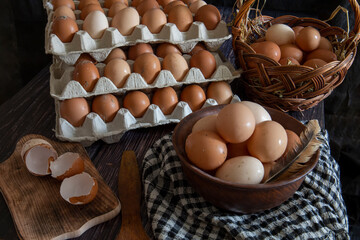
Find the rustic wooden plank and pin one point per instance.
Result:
(35, 202)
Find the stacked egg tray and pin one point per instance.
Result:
(62, 86)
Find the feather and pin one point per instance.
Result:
(297, 158)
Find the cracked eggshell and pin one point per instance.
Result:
(79, 189)
(37, 155)
(67, 165)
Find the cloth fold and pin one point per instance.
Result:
(176, 211)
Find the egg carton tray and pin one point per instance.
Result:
(63, 87)
(99, 49)
(94, 128)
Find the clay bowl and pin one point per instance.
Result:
(239, 198)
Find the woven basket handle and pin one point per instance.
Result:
(241, 18)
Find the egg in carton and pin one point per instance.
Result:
(94, 128)
(63, 87)
(112, 38)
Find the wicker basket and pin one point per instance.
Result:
(290, 88)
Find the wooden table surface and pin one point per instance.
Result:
(31, 111)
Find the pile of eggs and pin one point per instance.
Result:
(151, 13)
(239, 144)
(41, 159)
(75, 110)
(295, 46)
(144, 61)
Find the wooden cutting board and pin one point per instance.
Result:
(38, 210)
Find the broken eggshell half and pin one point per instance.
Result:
(79, 189)
(37, 155)
(67, 165)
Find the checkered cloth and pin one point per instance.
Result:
(175, 211)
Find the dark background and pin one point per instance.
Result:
(22, 24)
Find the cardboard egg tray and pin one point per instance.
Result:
(63, 87)
(94, 128)
(112, 38)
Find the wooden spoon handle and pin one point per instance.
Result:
(129, 188)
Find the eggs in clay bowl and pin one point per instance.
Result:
(227, 151)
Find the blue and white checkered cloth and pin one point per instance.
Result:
(176, 211)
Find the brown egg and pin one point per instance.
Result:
(308, 39)
(323, 54)
(83, 3)
(166, 98)
(237, 149)
(209, 15)
(106, 106)
(64, 11)
(64, 28)
(148, 66)
(144, 6)
(207, 123)
(138, 49)
(291, 50)
(154, 19)
(268, 142)
(205, 61)
(90, 8)
(87, 74)
(165, 48)
(292, 142)
(74, 111)
(116, 7)
(235, 122)
(288, 61)
(194, 96)
(136, 3)
(194, 6)
(315, 63)
(176, 64)
(118, 71)
(85, 57)
(220, 91)
(267, 48)
(206, 150)
(181, 16)
(173, 4)
(164, 3)
(199, 46)
(325, 44)
(126, 20)
(296, 30)
(188, 2)
(115, 53)
(137, 103)
(95, 24)
(109, 3)
(58, 3)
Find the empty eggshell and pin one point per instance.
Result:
(67, 165)
(37, 155)
(79, 189)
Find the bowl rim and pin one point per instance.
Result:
(201, 173)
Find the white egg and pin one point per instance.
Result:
(242, 170)
(95, 24)
(259, 112)
(280, 34)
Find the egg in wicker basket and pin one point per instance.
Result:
(290, 87)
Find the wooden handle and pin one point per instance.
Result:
(129, 188)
